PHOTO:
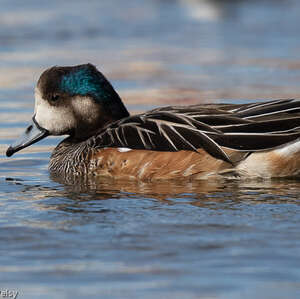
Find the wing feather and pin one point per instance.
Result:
(248, 127)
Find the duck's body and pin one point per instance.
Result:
(134, 164)
(119, 163)
(193, 142)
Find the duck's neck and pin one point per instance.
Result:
(70, 157)
(73, 155)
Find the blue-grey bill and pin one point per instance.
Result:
(32, 134)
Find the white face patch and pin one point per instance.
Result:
(85, 108)
(55, 119)
(60, 119)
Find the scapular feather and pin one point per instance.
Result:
(210, 127)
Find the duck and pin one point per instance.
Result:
(257, 139)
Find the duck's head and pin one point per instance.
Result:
(75, 101)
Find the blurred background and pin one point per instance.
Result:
(157, 51)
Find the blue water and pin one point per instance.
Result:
(113, 239)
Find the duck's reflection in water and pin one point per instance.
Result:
(199, 193)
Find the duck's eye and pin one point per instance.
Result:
(54, 97)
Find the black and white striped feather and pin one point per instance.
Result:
(248, 127)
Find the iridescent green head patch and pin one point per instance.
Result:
(85, 81)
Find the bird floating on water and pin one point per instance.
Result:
(175, 142)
